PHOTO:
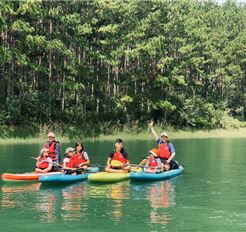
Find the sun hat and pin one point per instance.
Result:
(153, 151)
(164, 134)
(69, 149)
(51, 134)
(44, 150)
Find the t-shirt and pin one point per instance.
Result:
(170, 145)
(86, 157)
(123, 152)
(47, 160)
(66, 160)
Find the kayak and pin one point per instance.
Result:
(143, 176)
(63, 178)
(29, 176)
(67, 178)
(104, 177)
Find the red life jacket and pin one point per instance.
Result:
(119, 157)
(79, 158)
(52, 150)
(44, 163)
(164, 151)
(152, 162)
(71, 163)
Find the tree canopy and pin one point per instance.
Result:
(98, 64)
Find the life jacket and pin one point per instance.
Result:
(79, 158)
(52, 149)
(44, 163)
(152, 162)
(164, 151)
(71, 163)
(119, 157)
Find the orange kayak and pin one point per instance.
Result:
(29, 176)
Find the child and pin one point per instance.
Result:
(44, 162)
(152, 164)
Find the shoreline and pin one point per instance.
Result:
(145, 135)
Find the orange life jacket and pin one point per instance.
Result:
(79, 158)
(44, 163)
(52, 150)
(71, 163)
(164, 151)
(152, 162)
(119, 157)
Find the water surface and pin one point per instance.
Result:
(209, 196)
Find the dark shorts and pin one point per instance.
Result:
(173, 164)
(116, 168)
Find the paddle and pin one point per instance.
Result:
(71, 171)
(53, 163)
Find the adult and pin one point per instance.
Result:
(54, 148)
(44, 162)
(166, 151)
(118, 159)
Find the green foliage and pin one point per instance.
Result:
(122, 63)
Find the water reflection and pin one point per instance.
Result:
(83, 201)
(72, 207)
(12, 194)
(116, 194)
(46, 206)
(162, 196)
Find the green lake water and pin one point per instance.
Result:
(209, 196)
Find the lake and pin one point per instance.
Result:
(209, 196)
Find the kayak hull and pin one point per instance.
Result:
(63, 178)
(142, 176)
(106, 177)
(66, 178)
(25, 177)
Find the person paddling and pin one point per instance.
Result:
(118, 159)
(81, 157)
(44, 162)
(166, 151)
(54, 148)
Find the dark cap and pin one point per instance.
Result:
(118, 141)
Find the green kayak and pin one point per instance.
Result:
(103, 177)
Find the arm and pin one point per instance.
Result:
(151, 125)
(143, 162)
(171, 157)
(108, 162)
(86, 157)
(172, 152)
(64, 165)
(57, 152)
(48, 169)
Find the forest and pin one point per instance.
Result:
(96, 66)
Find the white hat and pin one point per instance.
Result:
(164, 134)
(44, 149)
(51, 134)
(69, 149)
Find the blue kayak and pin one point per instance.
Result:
(65, 178)
(143, 176)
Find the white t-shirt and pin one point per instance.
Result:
(86, 157)
(66, 160)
